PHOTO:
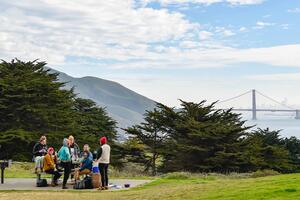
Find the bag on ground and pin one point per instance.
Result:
(88, 183)
(79, 185)
(41, 182)
(96, 179)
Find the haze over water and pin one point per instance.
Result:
(287, 123)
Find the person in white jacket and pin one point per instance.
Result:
(103, 158)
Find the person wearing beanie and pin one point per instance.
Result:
(103, 158)
(49, 166)
(65, 161)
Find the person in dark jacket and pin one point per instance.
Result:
(39, 151)
(85, 165)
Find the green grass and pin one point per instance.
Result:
(186, 186)
(26, 170)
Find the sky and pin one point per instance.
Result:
(164, 49)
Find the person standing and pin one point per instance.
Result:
(39, 151)
(104, 160)
(49, 166)
(74, 149)
(65, 161)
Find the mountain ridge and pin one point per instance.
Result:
(124, 105)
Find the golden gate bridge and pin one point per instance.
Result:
(254, 108)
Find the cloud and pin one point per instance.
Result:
(206, 2)
(276, 77)
(294, 10)
(261, 24)
(243, 29)
(224, 31)
(120, 34)
(204, 35)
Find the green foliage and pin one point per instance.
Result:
(263, 173)
(199, 138)
(152, 135)
(264, 149)
(33, 103)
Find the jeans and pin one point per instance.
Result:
(103, 171)
(38, 162)
(67, 170)
(56, 174)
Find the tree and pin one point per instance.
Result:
(33, 103)
(204, 139)
(265, 149)
(152, 135)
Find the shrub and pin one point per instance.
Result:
(265, 172)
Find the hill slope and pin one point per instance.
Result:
(124, 105)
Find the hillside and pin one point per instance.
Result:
(123, 104)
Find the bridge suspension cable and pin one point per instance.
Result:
(271, 99)
(235, 97)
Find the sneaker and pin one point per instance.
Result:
(64, 187)
(53, 184)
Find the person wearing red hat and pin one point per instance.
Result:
(103, 158)
(49, 166)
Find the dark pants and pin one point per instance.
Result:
(56, 174)
(104, 176)
(67, 170)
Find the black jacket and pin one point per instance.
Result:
(39, 149)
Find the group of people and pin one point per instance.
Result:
(71, 160)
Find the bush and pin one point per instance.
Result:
(178, 175)
(265, 172)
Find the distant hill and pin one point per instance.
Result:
(124, 105)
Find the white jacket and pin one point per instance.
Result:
(105, 156)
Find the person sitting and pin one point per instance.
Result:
(86, 147)
(49, 166)
(65, 161)
(86, 166)
(39, 151)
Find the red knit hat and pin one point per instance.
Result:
(50, 149)
(103, 140)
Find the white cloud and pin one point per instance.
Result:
(261, 24)
(276, 77)
(118, 34)
(243, 29)
(224, 31)
(285, 26)
(207, 2)
(294, 10)
(204, 35)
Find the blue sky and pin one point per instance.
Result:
(164, 49)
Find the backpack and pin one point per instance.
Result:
(79, 185)
(41, 182)
(88, 182)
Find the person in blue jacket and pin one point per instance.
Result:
(65, 161)
(85, 165)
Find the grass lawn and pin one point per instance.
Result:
(26, 170)
(186, 187)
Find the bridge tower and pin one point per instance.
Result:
(254, 105)
(297, 114)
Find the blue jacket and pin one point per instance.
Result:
(64, 153)
(86, 164)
